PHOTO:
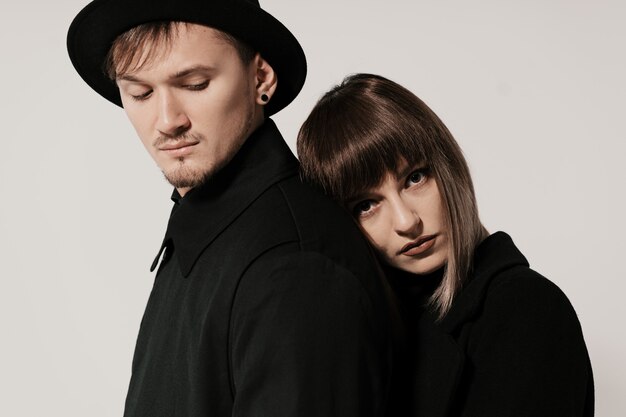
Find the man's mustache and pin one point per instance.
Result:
(185, 137)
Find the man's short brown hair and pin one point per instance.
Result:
(137, 47)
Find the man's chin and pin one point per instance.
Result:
(185, 177)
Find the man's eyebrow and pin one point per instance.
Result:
(176, 76)
(192, 70)
(128, 77)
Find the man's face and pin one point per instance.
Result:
(193, 106)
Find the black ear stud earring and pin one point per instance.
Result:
(265, 98)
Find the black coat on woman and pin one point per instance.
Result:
(511, 345)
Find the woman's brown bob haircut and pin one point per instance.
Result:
(147, 42)
(361, 130)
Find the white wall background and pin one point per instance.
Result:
(533, 90)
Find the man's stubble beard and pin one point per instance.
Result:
(187, 177)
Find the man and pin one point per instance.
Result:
(266, 301)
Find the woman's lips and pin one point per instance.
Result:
(418, 246)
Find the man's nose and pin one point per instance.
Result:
(406, 220)
(172, 120)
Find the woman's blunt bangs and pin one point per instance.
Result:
(355, 135)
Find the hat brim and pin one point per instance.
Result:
(94, 29)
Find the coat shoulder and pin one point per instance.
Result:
(523, 308)
(313, 223)
(525, 291)
(307, 237)
(526, 328)
(311, 216)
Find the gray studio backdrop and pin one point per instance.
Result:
(533, 90)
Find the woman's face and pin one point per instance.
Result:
(403, 220)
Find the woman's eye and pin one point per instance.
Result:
(416, 177)
(362, 208)
(197, 87)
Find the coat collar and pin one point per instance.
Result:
(495, 254)
(440, 360)
(204, 212)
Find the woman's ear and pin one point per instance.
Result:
(265, 80)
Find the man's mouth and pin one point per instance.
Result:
(179, 148)
(177, 145)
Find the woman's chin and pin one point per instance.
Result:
(420, 266)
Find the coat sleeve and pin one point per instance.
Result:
(306, 341)
(528, 356)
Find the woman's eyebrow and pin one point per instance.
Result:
(355, 198)
(404, 170)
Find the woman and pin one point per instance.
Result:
(488, 335)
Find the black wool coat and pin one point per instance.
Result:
(511, 346)
(266, 302)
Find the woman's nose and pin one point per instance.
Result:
(406, 220)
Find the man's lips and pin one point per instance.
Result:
(178, 149)
(420, 245)
(177, 145)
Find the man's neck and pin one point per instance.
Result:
(183, 190)
(258, 121)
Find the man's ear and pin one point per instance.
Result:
(266, 80)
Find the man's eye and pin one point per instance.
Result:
(197, 87)
(141, 97)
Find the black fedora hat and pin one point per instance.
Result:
(94, 29)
